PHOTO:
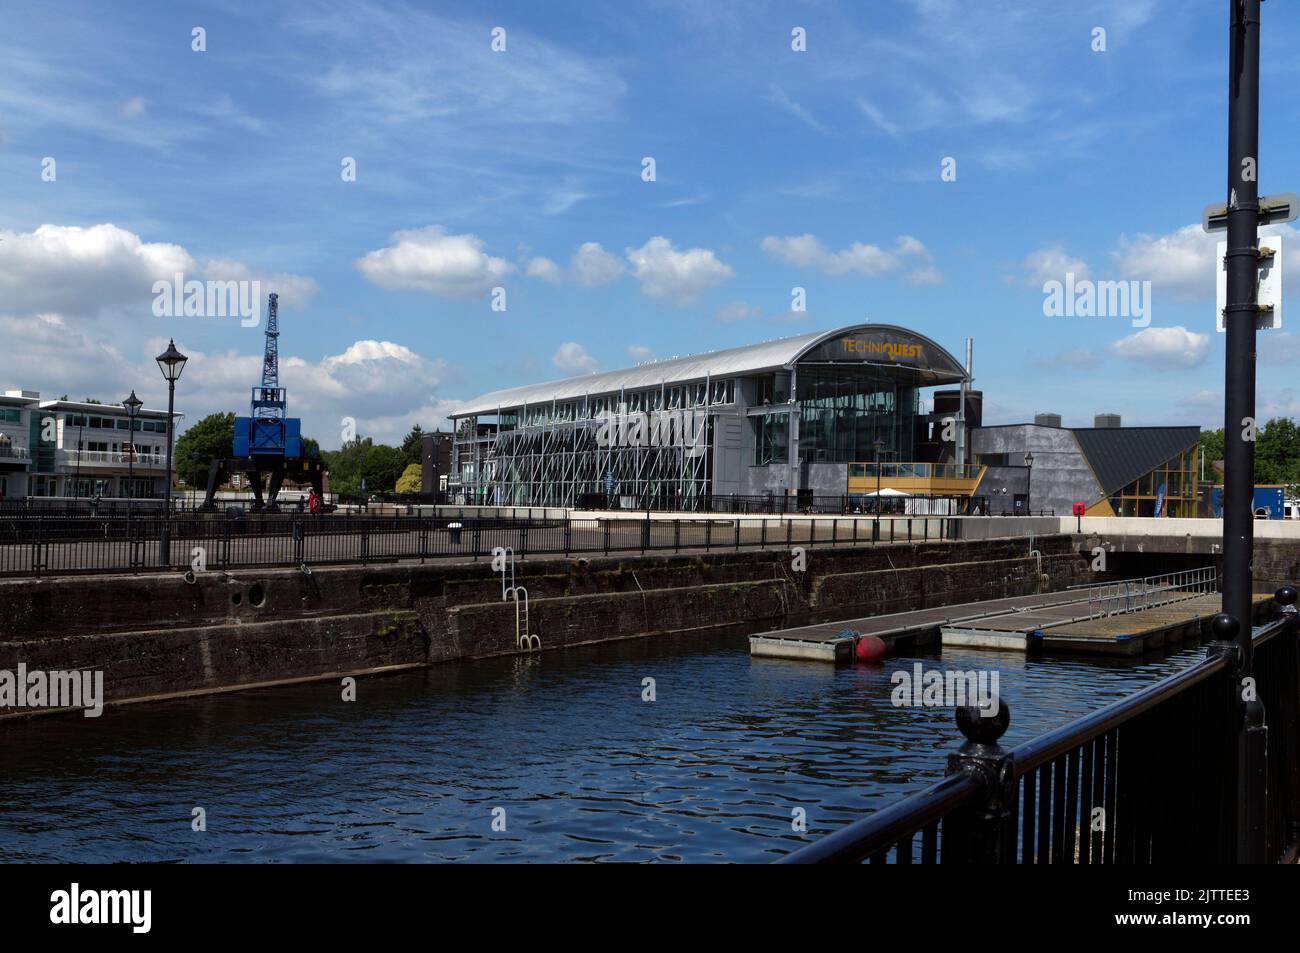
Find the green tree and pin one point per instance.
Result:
(411, 480)
(411, 446)
(382, 467)
(212, 438)
(1277, 452)
(344, 464)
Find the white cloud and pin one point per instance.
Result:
(1050, 263)
(679, 277)
(428, 259)
(572, 358)
(384, 386)
(393, 428)
(86, 271)
(807, 251)
(1184, 262)
(1174, 347)
(133, 108)
(1181, 262)
(75, 270)
(361, 352)
(380, 384)
(544, 269)
(639, 353)
(593, 266)
(295, 291)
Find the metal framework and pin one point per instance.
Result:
(548, 444)
(557, 463)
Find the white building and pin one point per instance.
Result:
(67, 448)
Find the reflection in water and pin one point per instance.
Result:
(584, 769)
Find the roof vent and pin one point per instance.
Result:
(1106, 421)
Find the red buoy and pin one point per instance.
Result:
(870, 648)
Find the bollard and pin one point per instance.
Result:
(986, 834)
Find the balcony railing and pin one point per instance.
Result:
(14, 453)
(112, 458)
(892, 470)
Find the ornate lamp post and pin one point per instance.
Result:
(171, 362)
(878, 446)
(132, 405)
(1029, 479)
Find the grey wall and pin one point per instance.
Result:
(733, 438)
(1000, 487)
(1061, 475)
(759, 481)
(828, 479)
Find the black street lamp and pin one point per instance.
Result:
(878, 446)
(76, 480)
(132, 405)
(1029, 480)
(171, 362)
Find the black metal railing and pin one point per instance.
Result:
(1202, 767)
(31, 546)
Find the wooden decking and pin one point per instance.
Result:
(1131, 632)
(833, 641)
(1055, 621)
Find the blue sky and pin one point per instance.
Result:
(522, 169)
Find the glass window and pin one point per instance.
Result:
(771, 439)
(844, 411)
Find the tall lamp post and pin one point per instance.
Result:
(76, 480)
(878, 446)
(1029, 481)
(171, 362)
(132, 405)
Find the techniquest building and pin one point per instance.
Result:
(869, 414)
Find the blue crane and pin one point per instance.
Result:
(268, 441)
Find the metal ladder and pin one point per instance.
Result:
(523, 638)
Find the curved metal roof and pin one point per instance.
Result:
(731, 362)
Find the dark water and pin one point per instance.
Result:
(583, 768)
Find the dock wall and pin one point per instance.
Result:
(157, 636)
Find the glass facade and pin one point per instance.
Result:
(1171, 486)
(843, 411)
(771, 439)
(779, 417)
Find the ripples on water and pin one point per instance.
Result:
(584, 769)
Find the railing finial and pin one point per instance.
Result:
(980, 728)
(1286, 597)
(1224, 627)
